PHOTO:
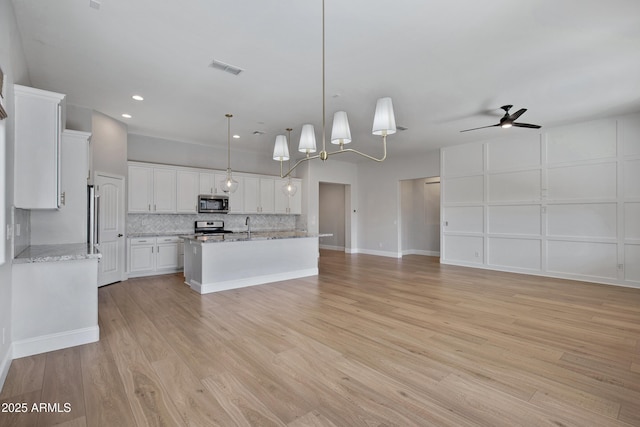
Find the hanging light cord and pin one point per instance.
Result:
(228, 116)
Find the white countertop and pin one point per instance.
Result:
(55, 253)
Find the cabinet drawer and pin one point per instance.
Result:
(143, 240)
(169, 239)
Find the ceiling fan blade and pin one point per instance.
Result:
(526, 125)
(517, 114)
(483, 127)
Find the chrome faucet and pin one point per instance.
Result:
(247, 222)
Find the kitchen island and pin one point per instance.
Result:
(229, 261)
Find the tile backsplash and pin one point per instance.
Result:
(21, 220)
(145, 223)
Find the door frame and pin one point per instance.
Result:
(122, 247)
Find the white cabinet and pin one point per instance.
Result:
(207, 183)
(38, 129)
(258, 195)
(187, 184)
(68, 224)
(164, 190)
(140, 189)
(285, 204)
(141, 256)
(151, 190)
(155, 255)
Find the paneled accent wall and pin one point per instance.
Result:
(563, 203)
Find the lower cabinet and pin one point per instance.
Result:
(155, 255)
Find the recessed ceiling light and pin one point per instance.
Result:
(236, 136)
(138, 98)
(126, 116)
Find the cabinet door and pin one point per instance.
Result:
(140, 189)
(236, 200)
(141, 258)
(187, 184)
(167, 256)
(164, 191)
(207, 183)
(281, 199)
(69, 223)
(38, 128)
(295, 202)
(251, 194)
(267, 195)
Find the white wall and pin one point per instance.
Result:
(379, 199)
(108, 145)
(332, 212)
(564, 202)
(157, 150)
(13, 64)
(420, 217)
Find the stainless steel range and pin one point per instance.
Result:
(210, 227)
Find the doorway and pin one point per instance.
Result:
(333, 216)
(420, 216)
(111, 224)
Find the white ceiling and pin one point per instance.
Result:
(447, 65)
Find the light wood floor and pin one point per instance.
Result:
(370, 341)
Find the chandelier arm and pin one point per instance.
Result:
(351, 150)
(304, 159)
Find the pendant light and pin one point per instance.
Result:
(384, 124)
(229, 185)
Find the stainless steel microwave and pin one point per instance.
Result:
(208, 203)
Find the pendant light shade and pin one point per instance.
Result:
(384, 121)
(281, 149)
(289, 188)
(229, 185)
(340, 132)
(307, 139)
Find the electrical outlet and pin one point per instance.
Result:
(477, 254)
(9, 231)
(17, 230)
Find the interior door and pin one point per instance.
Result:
(111, 224)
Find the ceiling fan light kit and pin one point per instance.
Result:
(509, 120)
(384, 123)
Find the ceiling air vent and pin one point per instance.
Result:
(227, 68)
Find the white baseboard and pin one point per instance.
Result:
(206, 288)
(420, 252)
(379, 253)
(57, 341)
(5, 364)
(332, 248)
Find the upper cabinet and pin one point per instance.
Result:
(175, 189)
(38, 134)
(152, 190)
(187, 190)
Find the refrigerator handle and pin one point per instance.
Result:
(97, 219)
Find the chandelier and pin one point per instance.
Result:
(384, 123)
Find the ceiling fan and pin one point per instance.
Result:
(509, 120)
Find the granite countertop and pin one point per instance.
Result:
(255, 235)
(55, 253)
(166, 233)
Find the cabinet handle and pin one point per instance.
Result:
(151, 249)
(149, 207)
(158, 249)
(154, 207)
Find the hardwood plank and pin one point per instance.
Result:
(25, 375)
(106, 401)
(62, 386)
(196, 404)
(24, 417)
